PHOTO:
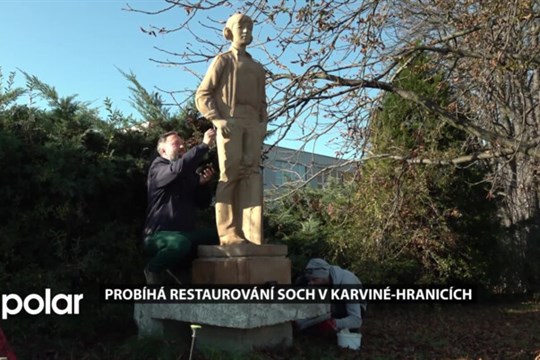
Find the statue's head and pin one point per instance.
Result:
(238, 30)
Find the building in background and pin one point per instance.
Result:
(289, 168)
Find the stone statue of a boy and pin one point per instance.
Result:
(232, 95)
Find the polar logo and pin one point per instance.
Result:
(34, 304)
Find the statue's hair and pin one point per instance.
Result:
(236, 18)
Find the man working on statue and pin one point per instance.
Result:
(232, 95)
(342, 315)
(174, 192)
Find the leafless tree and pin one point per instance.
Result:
(328, 63)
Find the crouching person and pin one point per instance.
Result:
(343, 315)
(175, 190)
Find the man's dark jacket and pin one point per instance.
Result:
(174, 192)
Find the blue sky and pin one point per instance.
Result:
(77, 46)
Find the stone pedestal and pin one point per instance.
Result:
(252, 265)
(234, 327)
(242, 264)
(230, 327)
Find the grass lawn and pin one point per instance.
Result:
(405, 331)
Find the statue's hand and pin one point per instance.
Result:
(224, 126)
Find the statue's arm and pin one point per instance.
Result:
(264, 111)
(205, 95)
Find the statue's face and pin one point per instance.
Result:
(241, 33)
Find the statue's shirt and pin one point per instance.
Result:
(234, 86)
(248, 78)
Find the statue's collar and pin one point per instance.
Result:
(237, 52)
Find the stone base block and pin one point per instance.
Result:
(241, 264)
(241, 340)
(229, 327)
(233, 327)
(241, 250)
(242, 316)
(241, 270)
